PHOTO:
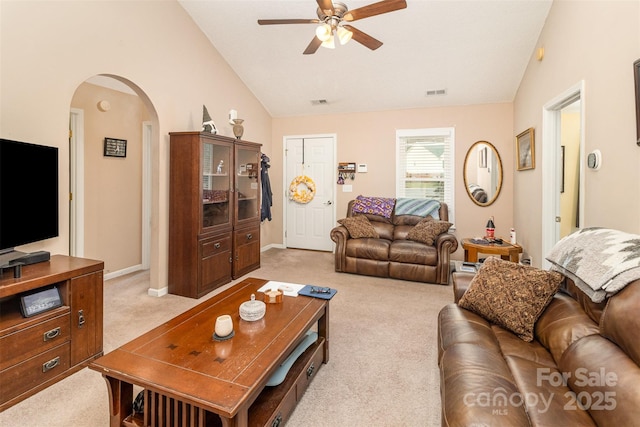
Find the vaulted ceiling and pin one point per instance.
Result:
(476, 51)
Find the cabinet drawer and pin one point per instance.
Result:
(34, 371)
(215, 245)
(310, 368)
(247, 235)
(34, 340)
(275, 404)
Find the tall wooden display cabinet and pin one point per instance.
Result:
(214, 211)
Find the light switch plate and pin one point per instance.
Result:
(362, 167)
(347, 188)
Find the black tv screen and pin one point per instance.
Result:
(28, 193)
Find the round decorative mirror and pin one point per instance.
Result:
(483, 173)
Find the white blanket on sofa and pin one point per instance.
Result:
(600, 261)
(420, 207)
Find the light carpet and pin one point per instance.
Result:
(383, 351)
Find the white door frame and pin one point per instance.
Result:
(147, 132)
(76, 182)
(285, 185)
(552, 169)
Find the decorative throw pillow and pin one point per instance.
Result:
(380, 206)
(427, 230)
(359, 227)
(511, 295)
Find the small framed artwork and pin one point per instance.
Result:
(636, 78)
(115, 147)
(40, 301)
(525, 150)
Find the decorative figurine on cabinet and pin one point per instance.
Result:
(207, 122)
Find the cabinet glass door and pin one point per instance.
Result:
(216, 183)
(247, 183)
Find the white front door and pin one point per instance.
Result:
(307, 225)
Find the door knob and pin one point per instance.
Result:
(328, 203)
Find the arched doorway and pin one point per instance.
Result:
(112, 195)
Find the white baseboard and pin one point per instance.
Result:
(164, 291)
(122, 272)
(151, 292)
(271, 246)
(158, 292)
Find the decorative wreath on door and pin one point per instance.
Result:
(304, 195)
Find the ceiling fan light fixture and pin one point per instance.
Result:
(344, 35)
(330, 43)
(323, 32)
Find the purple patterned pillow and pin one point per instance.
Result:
(380, 206)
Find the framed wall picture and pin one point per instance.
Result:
(115, 147)
(636, 78)
(525, 150)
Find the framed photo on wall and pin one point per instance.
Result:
(525, 150)
(115, 147)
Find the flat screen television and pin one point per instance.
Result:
(28, 193)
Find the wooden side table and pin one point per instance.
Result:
(506, 250)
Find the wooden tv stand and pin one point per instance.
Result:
(38, 351)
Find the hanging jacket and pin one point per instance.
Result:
(267, 196)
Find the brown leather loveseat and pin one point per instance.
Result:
(392, 254)
(580, 369)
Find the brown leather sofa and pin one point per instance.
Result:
(581, 369)
(393, 255)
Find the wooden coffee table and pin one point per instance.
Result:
(506, 250)
(192, 380)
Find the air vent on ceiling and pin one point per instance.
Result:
(319, 102)
(435, 92)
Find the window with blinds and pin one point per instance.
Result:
(425, 166)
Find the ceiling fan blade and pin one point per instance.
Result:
(364, 38)
(326, 6)
(313, 46)
(287, 21)
(374, 9)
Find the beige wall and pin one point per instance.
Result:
(371, 138)
(50, 48)
(594, 41)
(112, 185)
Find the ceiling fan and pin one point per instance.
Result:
(332, 17)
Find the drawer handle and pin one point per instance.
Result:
(310, 370)
(81, 318)
(49, 335)
(217, 245)
(277, 421)
(249, 236)
(47, 366)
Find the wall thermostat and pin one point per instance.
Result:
(594, 159)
